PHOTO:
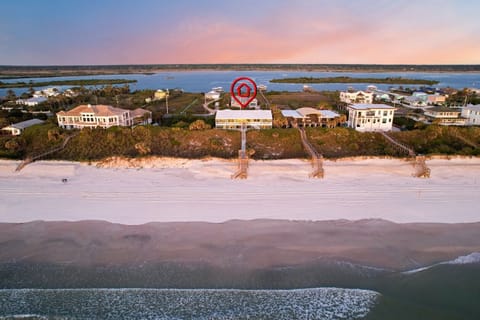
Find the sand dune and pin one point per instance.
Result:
(162, 189)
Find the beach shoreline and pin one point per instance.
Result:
(142, 190)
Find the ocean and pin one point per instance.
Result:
(317, 303)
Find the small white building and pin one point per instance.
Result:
(472, 115)
(356, 97)
(212, 95)
(103, 116)
(235, 119)
(17, 128)
(368, 117)
(31, 102)
(47, 92)
(160, 94)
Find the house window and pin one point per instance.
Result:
(385, 113)
(384, 120)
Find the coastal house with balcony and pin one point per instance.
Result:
(445, 116)
(235, 119)
(310, 117)
(101, 116)
(356, 96)
(471, 113)
(367, 117)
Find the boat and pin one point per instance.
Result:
(218, 89)
(262, 87)
(307, 88)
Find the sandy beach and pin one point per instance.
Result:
(165, 189)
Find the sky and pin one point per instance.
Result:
(84, 32)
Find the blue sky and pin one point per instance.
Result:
(59, 32)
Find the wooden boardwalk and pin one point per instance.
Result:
(241, 173)
(460, 137)
(316, 158)
(420, 167)
(31, 159)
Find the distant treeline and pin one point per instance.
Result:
(50, 71)
(85, 82)
(398, 80)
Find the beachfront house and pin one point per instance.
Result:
(472, 115)
(356, 96)
(445, 116)
(367, 117)
(102, 116)
(310, 117)
(16, 129)
(235, 119)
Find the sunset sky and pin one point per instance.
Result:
(65, 32)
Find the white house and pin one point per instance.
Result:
(472, 114)
(235, 119)
(356, 97)
(103, 116)
(367, 117)
(31, 102)
(17, 128)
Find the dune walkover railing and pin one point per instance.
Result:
(31, 159)
(316, 157)
(420, 167)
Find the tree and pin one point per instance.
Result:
(199, 125)
(11, 95)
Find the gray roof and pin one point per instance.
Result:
(291, 114)
(368, 106)
(25, 124)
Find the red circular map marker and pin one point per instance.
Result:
(241, 91)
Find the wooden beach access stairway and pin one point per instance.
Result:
(31, 159)
(241, 173)
(420, 167)
(316, 158)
